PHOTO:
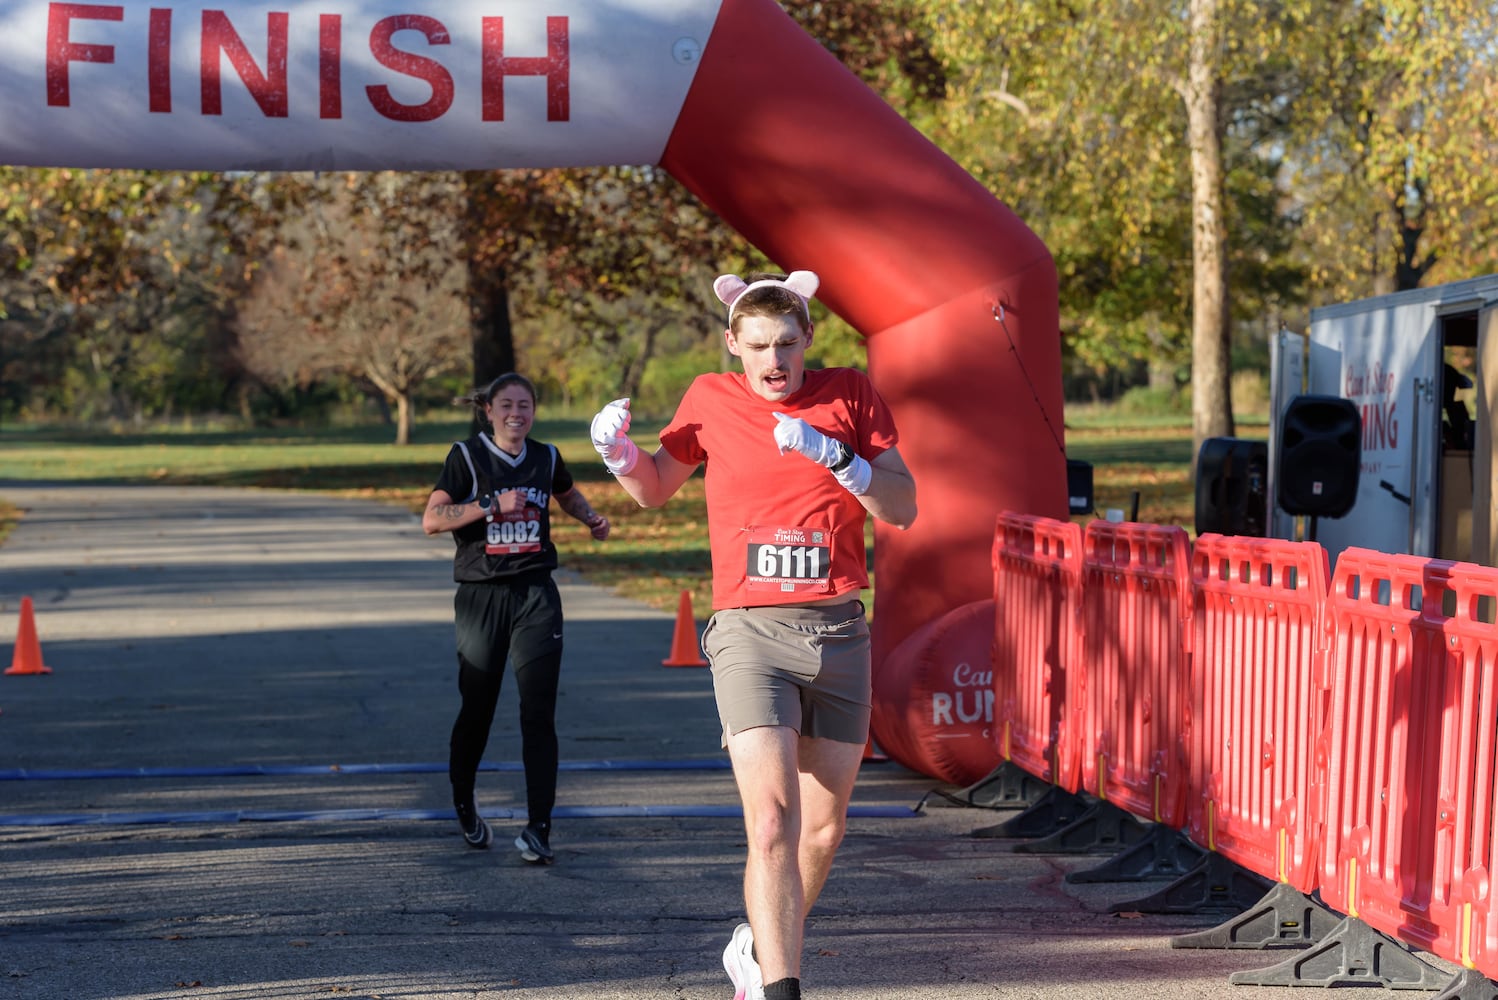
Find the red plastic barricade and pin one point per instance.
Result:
(1258, 703)
(1411, 788)
(1037, 564)
(1136, 610)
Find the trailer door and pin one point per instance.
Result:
(1484, 468)
(1388, 363)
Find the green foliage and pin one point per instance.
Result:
(667, 377)
(1357, 150)
(1251, 393)
(1353, 157)
(115, 282)
(1146, 401)
(835, 344)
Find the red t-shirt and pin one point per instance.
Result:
(781, 528)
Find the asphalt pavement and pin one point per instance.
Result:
(232, 784)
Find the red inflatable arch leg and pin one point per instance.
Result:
(765, 126)
(934, 697)
(817, 171)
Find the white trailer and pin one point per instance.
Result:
(1409, 363)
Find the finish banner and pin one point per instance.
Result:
(333, 85)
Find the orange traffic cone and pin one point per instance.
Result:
(684, 646)
(27, 658)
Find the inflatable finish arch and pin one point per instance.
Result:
(730, 96)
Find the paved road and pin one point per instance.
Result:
(231, 786)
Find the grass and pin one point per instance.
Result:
(1154, 463)
(653, 554)
(10, 516)
(1150, 457)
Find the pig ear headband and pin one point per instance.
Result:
(730, 288)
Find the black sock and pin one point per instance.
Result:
(783, 989)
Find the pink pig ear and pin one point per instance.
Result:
(728, 287)
(803, 283)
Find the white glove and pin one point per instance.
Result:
(851, 470)
(610, 433)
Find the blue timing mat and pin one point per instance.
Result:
(355, 815)
(273, 770)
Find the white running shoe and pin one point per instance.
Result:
(739, 963)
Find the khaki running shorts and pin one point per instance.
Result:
(803, 667)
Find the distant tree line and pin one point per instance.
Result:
(1204, 171)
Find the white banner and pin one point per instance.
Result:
(333, 85)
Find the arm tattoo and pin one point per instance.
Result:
(574, 503)
(453, 511)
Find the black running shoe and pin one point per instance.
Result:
(476, 832)
(534, 845)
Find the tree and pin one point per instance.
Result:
(615, 263)
(881, 42)
(370, 285)
(115, 282)
(1393, 147)
(606, 259)
(1211, 336)
(1135, 138)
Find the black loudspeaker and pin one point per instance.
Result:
(1232, 491)
(1321, 455)
(1079, 486)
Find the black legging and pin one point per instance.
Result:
(495, 622)
(537, 683)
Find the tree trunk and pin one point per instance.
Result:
(1380, 247)
(1409, 271)
(492, 338)
(403, 418)
(1211, 355)
(634, 370)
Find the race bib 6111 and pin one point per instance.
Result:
(789, 560)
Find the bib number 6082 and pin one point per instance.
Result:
(514, 532)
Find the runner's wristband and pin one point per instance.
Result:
(856, 476)
(845, 457)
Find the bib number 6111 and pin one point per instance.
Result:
(795, 562)
(788, 560)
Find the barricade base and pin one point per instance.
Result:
(1055, 810)
(1284, 917)
(1353, 954)
(1007, 786)
(1104, 827)
(1163, 854)
(1215, 885)
(1468, 985)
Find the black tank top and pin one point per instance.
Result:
(506, 545)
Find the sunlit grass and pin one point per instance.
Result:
(652, 556)
(1154, 463)
(10, 515)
